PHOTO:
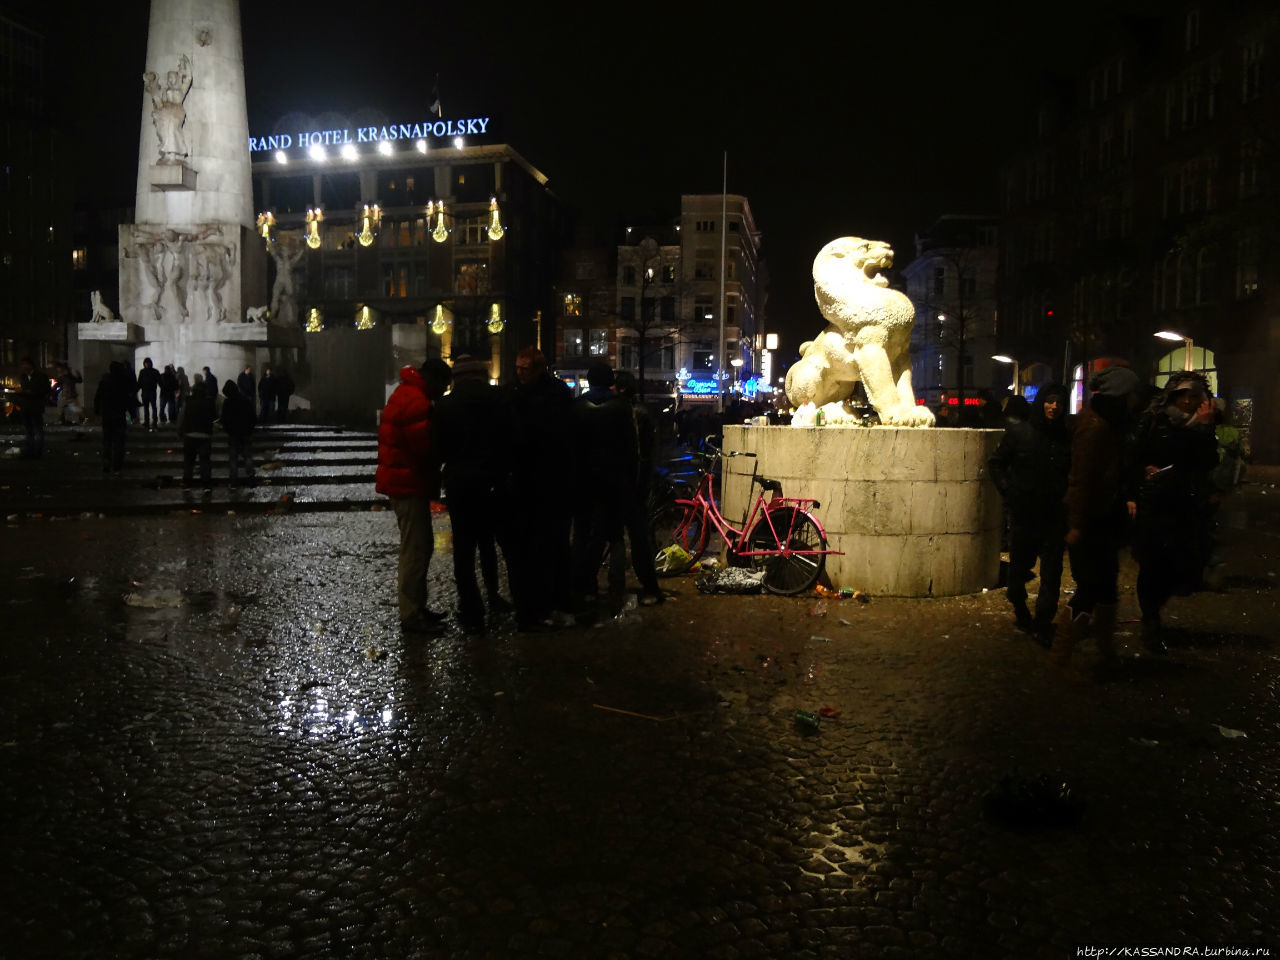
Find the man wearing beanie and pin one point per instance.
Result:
(1099, 505)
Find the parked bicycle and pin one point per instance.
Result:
(779, 536)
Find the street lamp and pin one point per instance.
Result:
(1001, 358)
(1187, 346)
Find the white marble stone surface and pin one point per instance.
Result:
(913, 510)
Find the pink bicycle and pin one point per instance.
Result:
(780, 536)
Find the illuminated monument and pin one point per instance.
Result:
(192, 263)
(911, 509)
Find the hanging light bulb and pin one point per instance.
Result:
(495, 319)
(364, 321)
(266, 220)
(314, 216)
(315, 322)
(440, 234)
(438, 325)
(495, 225)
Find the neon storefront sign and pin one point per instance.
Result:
(468, 127)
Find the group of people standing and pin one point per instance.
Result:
(1136, 465)
(193, 406)
(549, 479)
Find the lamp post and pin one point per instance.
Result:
(1001, 358)
(1187, 346)
(736, 363)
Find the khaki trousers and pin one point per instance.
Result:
(413, 516)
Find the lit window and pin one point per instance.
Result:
(572, 305)
(80, 259)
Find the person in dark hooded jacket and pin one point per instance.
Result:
(1177, 451)
(1030, 469)
(238, 420)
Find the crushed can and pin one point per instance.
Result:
(808, 720)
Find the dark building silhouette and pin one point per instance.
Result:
(1147, 199)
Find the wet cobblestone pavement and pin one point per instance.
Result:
(215, 743)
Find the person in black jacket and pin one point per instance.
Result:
(238, 420)
(112, 404)
(1176, 453)
(1030, 469)
(169, 395)
(606, 458)
(246, 384)
(266, 396)
(195, 427)
(284, 390)
(636, 508)
(537, 506)
(148, 387)
(468, 429)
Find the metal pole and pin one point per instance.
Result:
(724, 230)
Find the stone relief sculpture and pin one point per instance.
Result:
(213, 261)
(286, 252)
(867, 338)
(168, 113)
(256, 314)
(163, 257)
(101, 312)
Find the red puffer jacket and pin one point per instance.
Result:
(404, 441)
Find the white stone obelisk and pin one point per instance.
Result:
(192, 262)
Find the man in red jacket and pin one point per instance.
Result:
(407, 475)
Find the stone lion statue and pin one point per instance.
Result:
(868, 338)
(256, 314)
(101, 312)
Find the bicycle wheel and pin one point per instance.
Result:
(787, 575)
(679, 534)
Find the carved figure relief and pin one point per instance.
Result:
(168, 110)
(101, 312)
(164, 260)
(286, 252)
(868, 338)
(213, 261)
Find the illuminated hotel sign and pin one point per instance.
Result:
(470, 127)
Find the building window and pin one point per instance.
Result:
(475, 231)
(629, 309)
(1191, 31)
(669, 273)
(939, 281)
(629, 276)
(1126, 135)
(1250, 160)
(599, 345)
(573, 346)
(668, 355)
(968, 287)
(1251, 73)
(1247, 266)
(80, 259)
(572, 305)
(1190, 100)
(705, 226)
(472, 278)
(703, 269)
(734, 226)
(730, 270)
(703, 309)
(626, 355)
(584, 270)
(339, 283)
(1204, 275)
(668, 309)
(404, 233)
(703, 360)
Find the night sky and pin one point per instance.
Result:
(873, 124)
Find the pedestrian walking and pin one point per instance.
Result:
(238, 421)
(1030, 469)
(1100, 505)
(407, 475)
(195, 429)
(538, 514)
(266, 396)
(112, 404)
(636, 508)
(149, 389)
(1177, 452)
(211, 386)
(468, 440)
(69, 394)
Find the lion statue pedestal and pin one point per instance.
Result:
(913, 510)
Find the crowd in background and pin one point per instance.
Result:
(1137, 466)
